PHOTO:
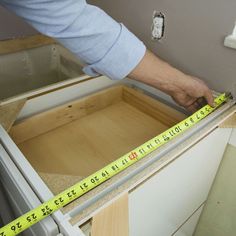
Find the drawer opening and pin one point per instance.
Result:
(69, 142)
(36, 68)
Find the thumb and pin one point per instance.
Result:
(209, 97)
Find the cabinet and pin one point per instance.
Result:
(164, 191)
(166, 201)
(67, 132)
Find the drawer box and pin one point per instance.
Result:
(70, 142)
(56, 148)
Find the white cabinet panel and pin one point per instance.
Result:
(232, 139)
(164, 202)
(187, 229)
(21, 197)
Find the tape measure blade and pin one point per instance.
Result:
(32, 217)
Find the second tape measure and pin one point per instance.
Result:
(47, 208)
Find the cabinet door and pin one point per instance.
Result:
(20, 196)
(161, 205)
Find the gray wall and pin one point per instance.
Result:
(195, 31)
(12, 26)
(193, 40)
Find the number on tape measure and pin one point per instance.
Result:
(74, 192)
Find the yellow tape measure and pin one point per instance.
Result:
(47, 208)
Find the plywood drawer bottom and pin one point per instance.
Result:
(72, 141)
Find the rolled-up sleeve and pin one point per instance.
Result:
(104, 45)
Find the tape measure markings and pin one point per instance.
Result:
(47, 208)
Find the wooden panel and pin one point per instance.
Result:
(81, 137)
(61, 115)
(14, 45)
(152, 107)
(88, 144)
(113, 220)
(230, 122)
(9, 113)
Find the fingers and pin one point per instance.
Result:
(197, 104)
(192, 108)
(209, 97)
(198, 88)
(193, 94)
(201, 102)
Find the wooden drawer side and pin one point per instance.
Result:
(54, 118)
(152, 107)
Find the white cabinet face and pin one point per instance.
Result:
(187, 229)
(163, 203)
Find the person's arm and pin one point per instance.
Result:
(107, 47)
(104, 45)
(186, 90)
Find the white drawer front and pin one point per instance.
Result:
(163, 203)
(187, 229)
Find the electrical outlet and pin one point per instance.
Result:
(158, 25)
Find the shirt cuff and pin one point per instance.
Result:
(121, 59)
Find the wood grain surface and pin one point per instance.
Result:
(112, 220)
(15, 45)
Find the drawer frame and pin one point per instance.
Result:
(70, 221)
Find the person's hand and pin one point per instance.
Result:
(189, 92)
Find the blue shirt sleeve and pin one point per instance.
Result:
(104, 45)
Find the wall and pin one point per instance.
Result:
(193, 40)
(12, 26)
(194, 36)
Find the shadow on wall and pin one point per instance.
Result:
(12, 26)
